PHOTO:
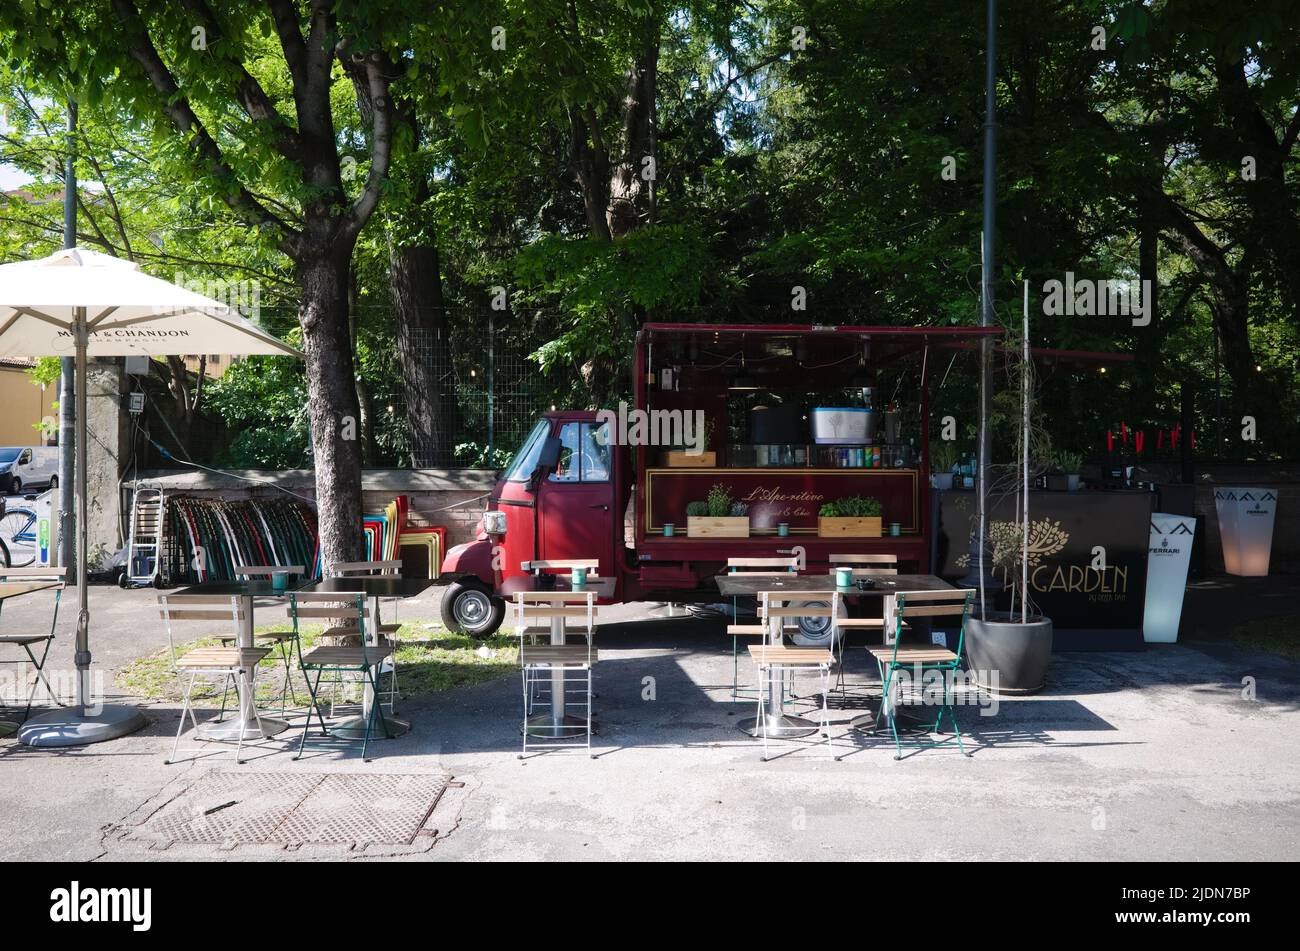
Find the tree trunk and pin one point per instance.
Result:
(629, 188)
(332, 403)
(416, 287)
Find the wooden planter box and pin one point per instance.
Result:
(702, 526)
(837, 527)
(681, 459)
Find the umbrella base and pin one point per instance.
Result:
(74, 727)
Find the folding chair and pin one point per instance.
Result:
(285, 641)
(36, 576)
(752, 567)
(897, 657)
(227, 662)
(559, 665)
(775, 662)
(384, 632)
(364, 660)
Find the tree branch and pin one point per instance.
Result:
(177, 108)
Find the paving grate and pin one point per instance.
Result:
(289, 809)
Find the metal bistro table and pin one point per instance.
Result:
(247, 592)
(556, 724)
(373, 587)
(887, 587)
(14, 589)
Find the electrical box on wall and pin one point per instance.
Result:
(137, 366)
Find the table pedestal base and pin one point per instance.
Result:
(778, 724)
(549, 727)
(228, 731)
(354, 728)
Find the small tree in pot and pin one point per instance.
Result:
(1009, 652)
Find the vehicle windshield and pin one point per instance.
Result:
(9, 455)
(521, 466)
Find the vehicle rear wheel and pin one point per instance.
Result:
(468, 607)
(54, 482)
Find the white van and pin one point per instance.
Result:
(27, 468)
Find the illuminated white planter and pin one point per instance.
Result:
(1169, 553)
(1246, 528)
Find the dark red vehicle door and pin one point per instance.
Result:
(577, 499)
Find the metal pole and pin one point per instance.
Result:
(986, 290)
(82, 656)
(491, 386)
(67, 366)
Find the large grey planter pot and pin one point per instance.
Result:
(1018, 652)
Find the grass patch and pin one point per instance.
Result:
(429, 659)
(1277, 635)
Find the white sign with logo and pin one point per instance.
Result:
(1168, 555)
(1246, 528)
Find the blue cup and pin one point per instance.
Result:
(280, 581)
(579, 577)
(668, 529)
(783, 529)
(843, 577)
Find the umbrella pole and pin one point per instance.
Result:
(82, 658)
(88, 721)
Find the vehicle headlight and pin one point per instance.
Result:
(494, 523)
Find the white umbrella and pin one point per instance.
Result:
(83, 304)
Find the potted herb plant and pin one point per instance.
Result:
(717, 516)
(943, 457)
(1009, 651)
(1070, 463)
(850, 516)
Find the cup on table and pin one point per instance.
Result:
(579, 577)
(279, 581)
(783, 529)
(895, 529)
(843, 577)
(668, 529)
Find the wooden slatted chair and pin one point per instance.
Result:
(919, 658)
(777, 662)
(363, 660)
(535, 631)
(36, 576)
(881, 562)
(560, 667)
(752, 567)
(229, 663)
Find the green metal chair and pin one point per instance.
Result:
(920, 658)
(759, 568)
(36, 576)
(363, 660)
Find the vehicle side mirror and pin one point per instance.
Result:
(547, 460)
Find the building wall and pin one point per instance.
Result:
(22, 405)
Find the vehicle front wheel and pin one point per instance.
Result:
(54, 483)
(16, 487)
(468, 607)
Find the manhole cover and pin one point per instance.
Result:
(288, 809)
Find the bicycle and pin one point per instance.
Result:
(18, 537)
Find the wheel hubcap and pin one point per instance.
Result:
(472, 609)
